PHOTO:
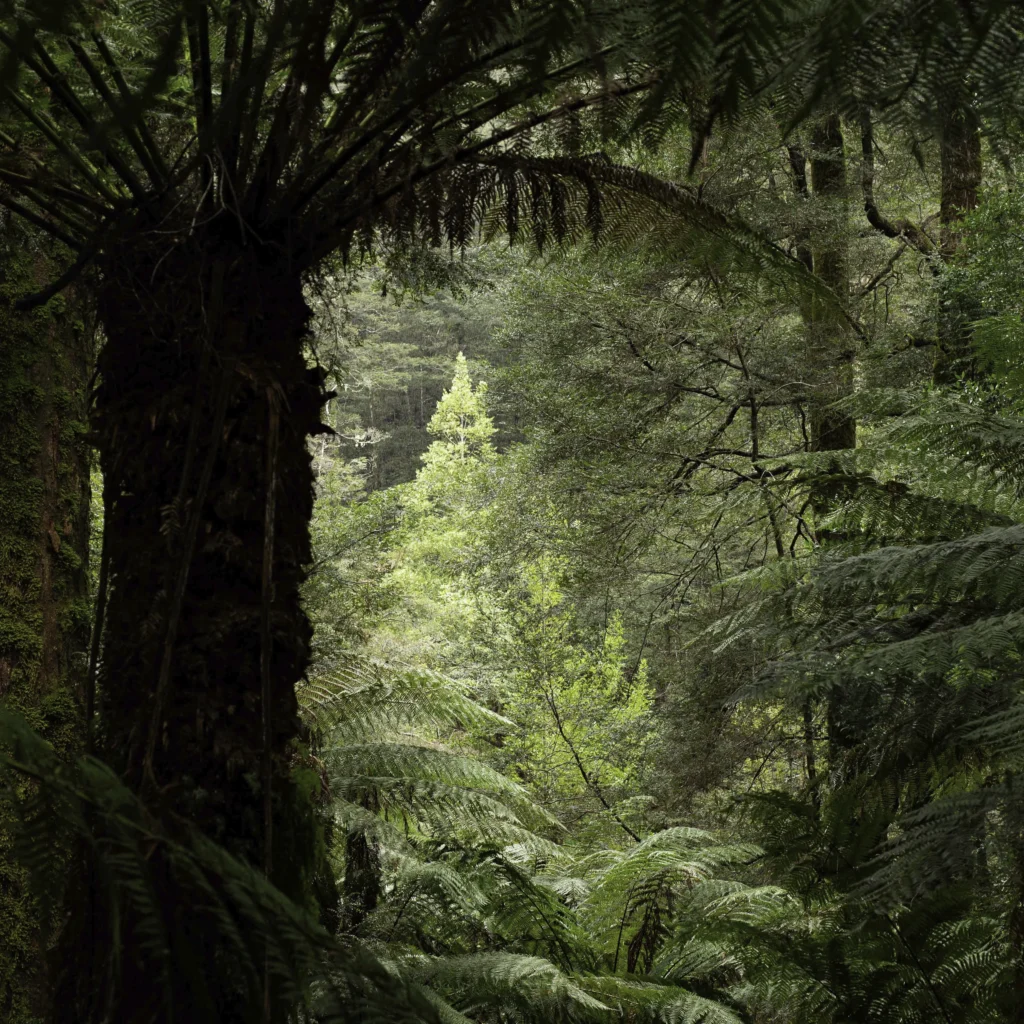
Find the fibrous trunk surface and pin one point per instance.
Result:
(204, 337)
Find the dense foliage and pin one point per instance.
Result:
(558, 521)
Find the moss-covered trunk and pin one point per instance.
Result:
(44, 527)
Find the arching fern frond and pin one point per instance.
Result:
(642, 999)
(368, 698)
(426, 777)
(530, 986)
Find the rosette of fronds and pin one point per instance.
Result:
(635, 893)
(319, 125)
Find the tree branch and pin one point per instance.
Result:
(590, 783)
(904, 229)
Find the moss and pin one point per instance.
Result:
(44, 611)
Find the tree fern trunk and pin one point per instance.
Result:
(200, 340)
(44, 534)
(202, 337)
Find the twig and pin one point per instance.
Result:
(591, 783)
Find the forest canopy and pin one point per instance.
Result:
(511, 511)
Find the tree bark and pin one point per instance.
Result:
(832, 354)
(961, 179)
(832, 351)
(203, 335)
(199, 341)
(44, 542)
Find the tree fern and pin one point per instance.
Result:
(492, 919)
(632, 897)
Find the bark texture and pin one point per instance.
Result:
(832, 356)
(832, 348)
(44, 535)
(201, 340)
(205, 333)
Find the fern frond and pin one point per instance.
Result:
(368, 698)
(530, 985)
(425, 777)
(139, 870)
(643, 999)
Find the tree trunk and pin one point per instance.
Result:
(961, 178)
(204, 338)
(201, 342)
(362, 887)
(44, 542)
(832, 349)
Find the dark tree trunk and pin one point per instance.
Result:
(362, 888)
(832, 354)
(205, 345)
(961, 179)
(961, 172)
(832, 347)
(205, 348)
(44, 542)
(202, 341)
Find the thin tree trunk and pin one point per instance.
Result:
(832, 350)
(44, 526)
(361, 890)
(961, 178)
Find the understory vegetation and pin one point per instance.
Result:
(622, 717)
(511, 512)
